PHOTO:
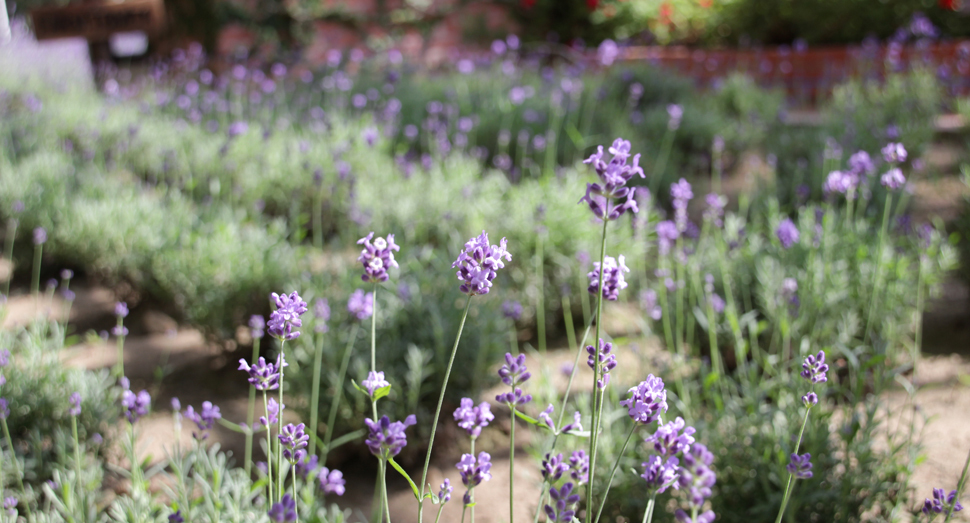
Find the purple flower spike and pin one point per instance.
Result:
(4, 357)
(660, 474)
(475, 471)
(308, 467)
(121, 309)
(284, 511)
(715, 208)
(386, 439)
(647, 401)
(607, 361)
(135, 406)
(579, 462)
(717, 303)
(512, 310)
(40, 236)
(787, 233)
(332, 481)
(894, 153)
(667, 235)
(176, 518)
(286, 316)
(321, 313)
(563, 506)
(361, 305)
(444, 493)
(860, 163)
(576, 425)
(514, 372)
(814, 368)
(257, 326)
(553, 467)
(294, 439)
(273, 411)
(473, 419)
(674, 114)
(696, 475)
(810, 399)
(800, 466)
(613, 281)
(546, 418)
(479, 262)
(602, 198)
(668, 440)
(75, 404)
(893, 179)
(377, 257)
(204, 419)
(4, 408)
(681, 194)
(941, 502)
(374, 381)
(262, 375)
(514, 398)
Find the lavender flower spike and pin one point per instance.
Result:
(647, 401)
(386, 439)
(579, 462)
(286, 316)
(284, 511)
(377, 257)
(894, 153)
(374, 381)
(257, 325)
(814, 368)
(893, 179)
(361, 305)
(800, 466)
(660, 474)
(294, 439)
(135, 406)
(613, 178)
(787, 233)
(564, 502)
(668, 440)
(941, 502)
(606, 359)
(514, 372)
(473, 419)
(613, 281)
(553, 467)
(332, 481)
(204, 419)
(262, 375)
(444, 492)
(479, 262)
(75, 404)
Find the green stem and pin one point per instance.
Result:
(35, 279)
(315, 393)
(791, 477)
(120, 365)
(338, 394)
(471, 490)
(318, 220)
(279, 429)
(136, 482)
(387, 506)
(616, 465)
(373, 332)
(293, 488)
(960, 485)
(8, 251)
(16, 464)
(77, 454)
(250, 417)
(512, 467)
(877, 284)
(269, 450)
(648, 513)
(593, 439)
(441, 506)
(437, 412)
(540, 297)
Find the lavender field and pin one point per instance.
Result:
(521, 285)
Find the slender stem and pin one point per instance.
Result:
(77, 454)
(35, 279)
(120, 365)
(315, 393)
(437, 412)
(471, 491)
(136, 482)
(441, 506)
(339, 393)
(250, 416)
(791, 477)
(293, 488)
(463, 509)
(8, 246)
(269, 450)
(512, 468)
(593, 439)
(386, 506)
(373, 333)
(616, 465)
(877, 283)
(648, 513)
(540, 297)
(16, 464)
(960, 485)
(279, 428)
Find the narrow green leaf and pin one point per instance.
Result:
(414, 488)
(381, 392)
(529, 419)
